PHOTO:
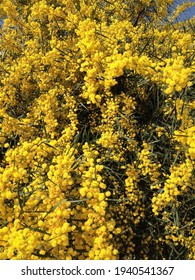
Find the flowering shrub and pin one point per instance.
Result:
(97, 126)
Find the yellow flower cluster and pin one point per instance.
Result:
(176, 183)
(146, 166)
(175, 75)
(134, 194)
(180, 9)
(97, 126)
(187, 138)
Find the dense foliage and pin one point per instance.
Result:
(97, 130)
